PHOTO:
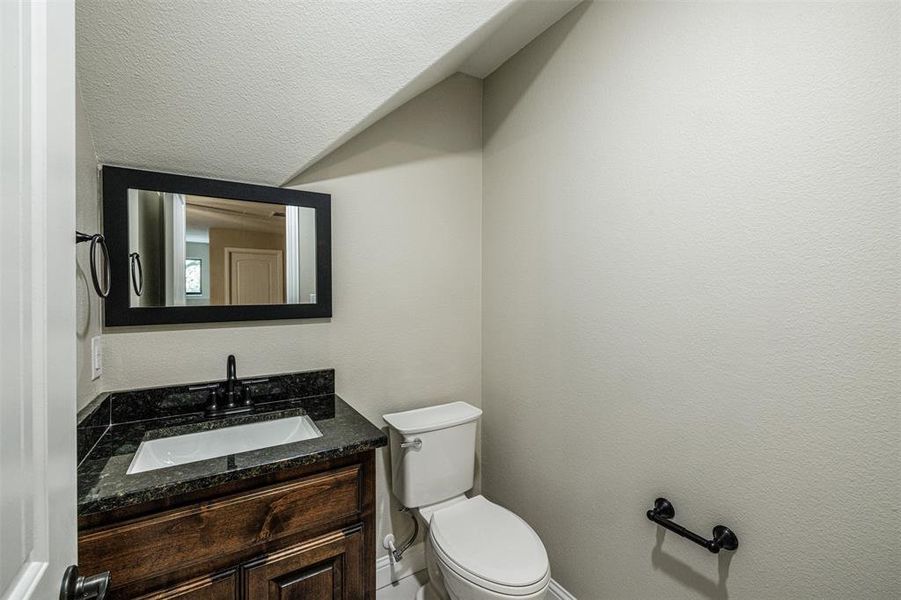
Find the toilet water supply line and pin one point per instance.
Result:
(398, 554)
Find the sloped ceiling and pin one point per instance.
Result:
(258, 90)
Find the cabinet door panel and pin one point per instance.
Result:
(311, 583)
(222, 586)
(327, 568)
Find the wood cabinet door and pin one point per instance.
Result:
(327, 568)
(222, 586)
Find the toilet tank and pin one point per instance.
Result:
(433, 452)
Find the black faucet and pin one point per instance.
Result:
(231, 380)
(232, 394)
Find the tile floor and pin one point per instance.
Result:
(408, 588)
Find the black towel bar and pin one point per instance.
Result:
(723, 538)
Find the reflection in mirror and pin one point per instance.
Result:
(201, 251)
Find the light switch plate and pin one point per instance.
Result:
(96, 358)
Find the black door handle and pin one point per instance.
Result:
(75, 587)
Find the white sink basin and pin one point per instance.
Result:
(192, 447)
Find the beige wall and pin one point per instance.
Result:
(691, 289)
(87, 220)
(406, 248)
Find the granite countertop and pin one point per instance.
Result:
(112, 427)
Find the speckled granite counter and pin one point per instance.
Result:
(112, 427)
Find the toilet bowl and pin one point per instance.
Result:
(484, 551)
(475, 549)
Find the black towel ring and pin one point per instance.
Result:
(137, 277)
(97, 241)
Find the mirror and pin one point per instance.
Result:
(186, 249)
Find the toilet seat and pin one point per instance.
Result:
(490, 547)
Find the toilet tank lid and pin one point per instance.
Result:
(431, 418)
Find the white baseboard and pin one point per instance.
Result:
(387, 571)
(556, 592)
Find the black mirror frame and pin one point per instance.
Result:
(118, 312)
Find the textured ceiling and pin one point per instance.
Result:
(257, 91)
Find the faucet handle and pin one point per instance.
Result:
(206, 386)
(214, 389)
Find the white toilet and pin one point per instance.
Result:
(476, 550)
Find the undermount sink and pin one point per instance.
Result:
(193, 447)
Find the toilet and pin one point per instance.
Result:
(475, 549)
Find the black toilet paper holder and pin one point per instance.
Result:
(723, 537)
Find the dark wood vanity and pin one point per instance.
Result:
(289, 521)
(306, 533)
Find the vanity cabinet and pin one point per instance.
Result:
(305, 532)
(329, 567)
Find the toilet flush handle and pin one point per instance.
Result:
(415, 443)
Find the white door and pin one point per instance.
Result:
(37, 297)
(254, 276)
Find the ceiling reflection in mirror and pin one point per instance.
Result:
(187, 250)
